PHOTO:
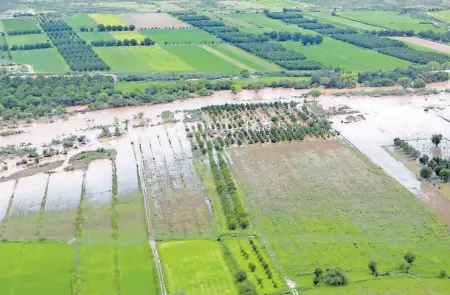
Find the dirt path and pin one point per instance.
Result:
(227, 58)
(425, 43)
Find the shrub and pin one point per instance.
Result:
(241, 276)
(425, 173)
(373, 267)
(335, 277)
(410, 257)
(443, 274)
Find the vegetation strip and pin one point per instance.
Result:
(41, 212)
(115, 227)
(5, 219)
(76, 273)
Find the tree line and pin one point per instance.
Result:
(306, 39)
(126, 42)
(24, 32)
(31, 46)
(118, 28)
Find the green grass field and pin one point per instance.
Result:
(27, 39)
(196, 267)
(265, 24)
(11, 25)
(442, 15)
(390, 20)
(95, 36)
(200, 59)
(250, 61)
(341, 22)
(120, 59)
(159, 59)
(128, 35)
(40, 268)
(43, 60)
(77, 21)
(326, 219)
(107, 19)
(247, 81)
(129, 86)
(192, 36)
(335, 53)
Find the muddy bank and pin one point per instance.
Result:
(43, 168)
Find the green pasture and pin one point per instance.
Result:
(326, 219)
(200, 59)
(443, 15)
(128, 35)
(160, 59)
(38, 268)
(335, 53)
(27, 39)
(95, 36)
(76, 21)
(120, 59)
(12, 25)
(171, 36)
(341, 22)
(278, 4)
(266, 24)
(196, 267)
(43, 60)
(107, 19)
(390, 20)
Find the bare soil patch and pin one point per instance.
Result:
(425, 43)
(153, 21)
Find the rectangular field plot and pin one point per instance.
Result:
(6, 191)
(97, 224)
(244, 253)
(78, 21)
(326, 219)
(245, 59)
(196, 267)
(179, 36)
(61, 207)
(95, 36)
(127, 180)
(390, 20)
(342, 22)
(25, 208)
(97, 268)
(107, 19)
(35, 268)
(13, 25)
(200, 59)
(266, 24)
(159, 59)
(120, 59)
(42, 60)
(178, 201)
(337, 53)
(128, 35)
(27, 39)
(153, 21)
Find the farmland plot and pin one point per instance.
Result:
(127, 181)
(179, 205)
(47, 60)
(159, 59)
(61, 207)
(6, 191)
(77, 21)
(12, 25)
(363, 220)
(153, 21)
(120, 59)
(24, 213)
(95, 36)
(27, 39)
(107, 19)
(171, 36)
(128, 35)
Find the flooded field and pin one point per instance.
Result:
(127, 180)
(6, 191)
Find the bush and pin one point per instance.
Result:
(425, 173)
(335, 277)
(410, 257)
(241, 276)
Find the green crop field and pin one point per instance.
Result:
(40, 268)
(337, 53)
(107, 19)
(43, 60)
(128, 35)
(326, 219)
(77, 21)
(265, 24)
(200, 59)
(442, 15)
(120, 59)
(250, 61)
(159, 59)
(11, 25)
(27, 39)
(192, 36)
(95, 36)
(129, 86)
(341, 22)
(279, 4)
(390, 20)
(196, 267)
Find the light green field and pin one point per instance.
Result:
(107, 19)
(128, 35)
(35, 268)
(265, 24)
(191, 36)
(77, 21)
(43, 60)
(120, 59)
(326, 219)
(279, 4)
(341, 22)
(200, 59)
(250, 61)
(11, 25)
(267, 285)
(196, 267)
(390, 20)
(442, 15)
(159, 59)
(129, 86)
(335, 53)
(27, 39)
(95, 36)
